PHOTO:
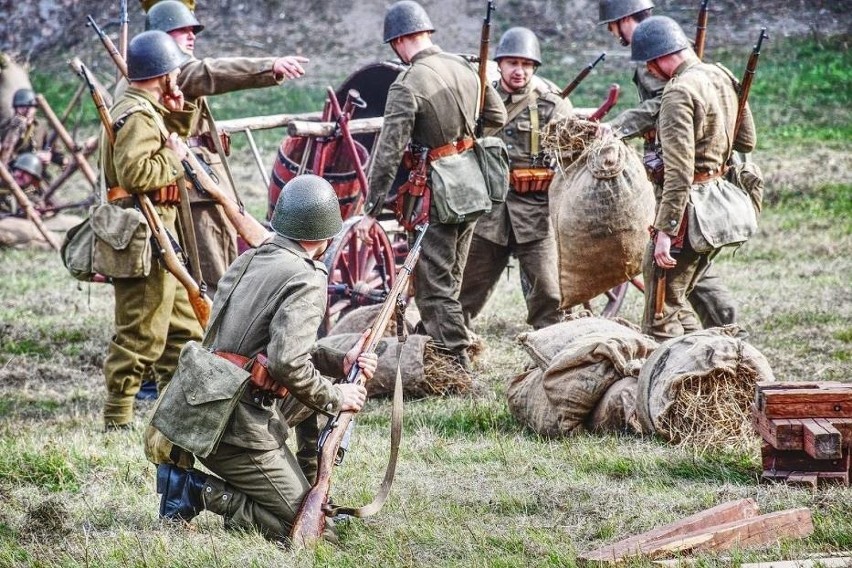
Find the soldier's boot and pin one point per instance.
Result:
(181, 491)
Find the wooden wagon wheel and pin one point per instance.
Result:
(359, 274)
(609, 303)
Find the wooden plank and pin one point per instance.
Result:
(844, 426)
(780, 433)
(264, 122)
(724, 513)
(816, 562)
(794, 460)
(821, 440)
(809, 407)
(321, 129)
(765, 529)
(803, 478)
(766, 392)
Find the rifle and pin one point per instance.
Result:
(164, 242)
(124, 24)
(334, 438)
(581, 75)
(69, 143)
(249, 228)
(484, 40)
(25, 204)
(748, 78)
(611, 99)
(701, 29)
(110, 46)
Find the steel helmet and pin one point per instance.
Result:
(614, 10)
(152, 54)
(405, 18)
(170, 15)
(24, 98)
(519, 42)
(29, 162)
(307, 210)
(655, 37)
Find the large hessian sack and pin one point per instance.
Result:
(12, 77)
(601, 206)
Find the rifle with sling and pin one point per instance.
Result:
(166, 245)
(116, 55)
(484, 41)
(249, 228)
(334, 439)
(24, 202)
(748, 79)
(123, 28)
(701, 29)
(581, 76)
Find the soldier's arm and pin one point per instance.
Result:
(215, 76)
(677, 136)
(13, 130)
(494, 112)
(293, 332)
(396, 131)
(142, 162)
(747, 136)
(639, 120)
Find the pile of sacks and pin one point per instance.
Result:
(603, 375)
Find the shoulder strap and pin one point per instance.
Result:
(468, 124)
(213, 327)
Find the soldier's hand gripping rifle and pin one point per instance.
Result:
(748, 79)
(164, 243)
(249, 228)
(581, 76)
(334, 438)
(24, 202)
(701, 29)
(484, 41)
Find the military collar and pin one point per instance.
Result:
(514, 97)
(143, 94)
(432, 50)
(297, 249)
(690, 61)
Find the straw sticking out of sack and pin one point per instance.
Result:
(565, 140)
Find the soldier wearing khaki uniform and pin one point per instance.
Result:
(710, 298)
(23, 133)
(199, 78)
(16, 231)
(698, 111)
(521, 225)
(271, 301)
(153, 316)
(431, 105)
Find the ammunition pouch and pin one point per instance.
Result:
(205, 140)
(411, 207)
(166, 195)
(537, 180)
(654, 166)
(259, 378)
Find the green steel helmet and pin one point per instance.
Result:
(614, 10)
(29, 162)
(24, 98)
(655, 37)
(170, 15)
(405, 18)
(153, 54)
(307, 210)
(519, 42)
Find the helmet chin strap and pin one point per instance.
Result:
(621, 36)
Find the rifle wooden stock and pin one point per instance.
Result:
(748, 79)
(25, 204)
(484, 41)
(581, 76)
(110, 46)
(123, 29)
(69, 143)
(309, 523)
(701, 29)
(611, 99)
(201, 304)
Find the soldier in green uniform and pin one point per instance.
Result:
(271, 301)
(710, 298)
(698, 110)
(23, 133)
(153, 316)
(199, 78)
(520, 226)
(431, 105)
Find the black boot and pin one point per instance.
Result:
(181, 492)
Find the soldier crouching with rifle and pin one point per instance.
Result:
(521, 225)
(270, 302)
(153, 315)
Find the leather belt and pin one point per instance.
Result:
(704, 177)
(167, 195)
(116, 193)
(458, 147)
(259, 372)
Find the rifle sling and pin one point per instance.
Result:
(187, 231)
(217, 143)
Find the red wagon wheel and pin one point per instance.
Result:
(359, 274)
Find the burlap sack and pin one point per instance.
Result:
(697, 388)
(616, 410)
(21, 233)
(544, 344)
(529, 405)
(12, 77)
(415, 382)
(601, 207)
(361, 318)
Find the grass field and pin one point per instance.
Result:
(473, 487)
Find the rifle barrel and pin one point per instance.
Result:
(581, 76)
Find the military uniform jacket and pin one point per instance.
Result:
(421, 109)
(526, 214)
(18, 137)
(214, 76)
(275, 307)
(139, 161)
(639, 120)
(696, 127)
